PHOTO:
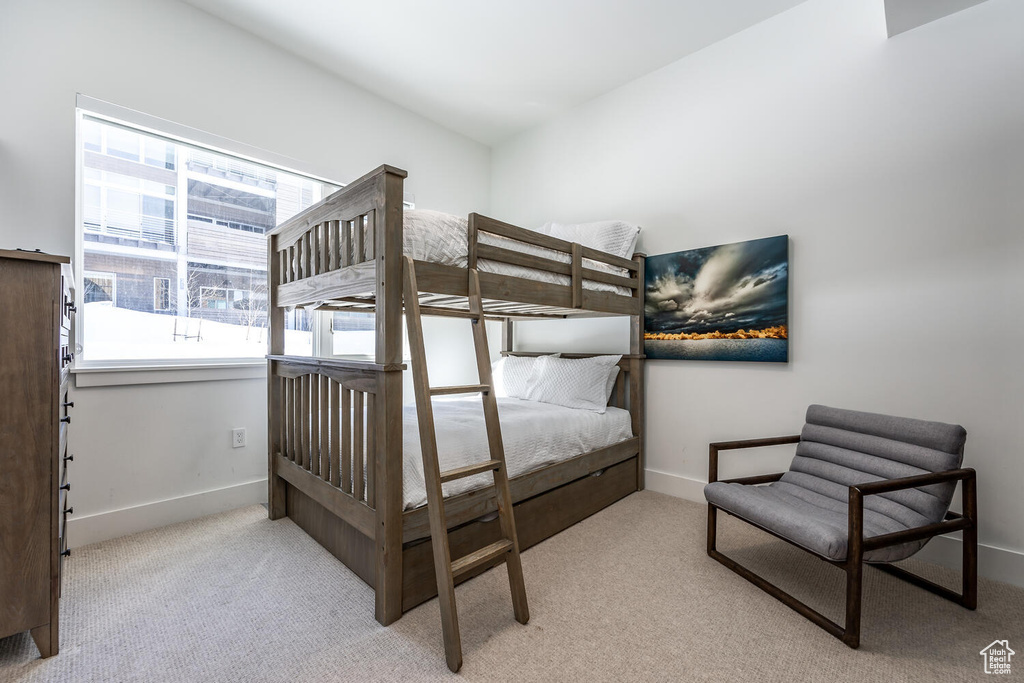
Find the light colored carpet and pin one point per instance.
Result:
(628, 594)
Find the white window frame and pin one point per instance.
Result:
(111, 373)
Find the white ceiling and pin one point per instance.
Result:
(485, 68)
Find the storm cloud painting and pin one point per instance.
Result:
(729, 302)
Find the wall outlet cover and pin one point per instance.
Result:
(238, 438)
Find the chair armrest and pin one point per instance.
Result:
(713, 449)
(873, 488)
(857, 544)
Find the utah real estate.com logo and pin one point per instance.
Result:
(997, 657)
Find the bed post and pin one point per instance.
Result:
(275, 341)
(508, 336)
(388, 254)
(636, 372)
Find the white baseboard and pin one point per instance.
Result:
(675, 485)
(116, 523)
(999, 564)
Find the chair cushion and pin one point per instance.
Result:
(839, 448)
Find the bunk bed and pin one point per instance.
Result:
(335, 457)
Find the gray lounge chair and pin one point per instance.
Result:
(863, 487)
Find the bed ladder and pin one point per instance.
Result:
(507, 548)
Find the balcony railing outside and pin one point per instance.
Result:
(128, 224)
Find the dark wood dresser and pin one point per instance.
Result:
(36, 349)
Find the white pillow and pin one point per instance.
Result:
(614, 237)
(511, 373)
(611, 385)
(572, 382)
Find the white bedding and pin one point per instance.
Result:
(535, 434)
(444, 238)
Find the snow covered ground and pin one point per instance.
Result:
(120, 334)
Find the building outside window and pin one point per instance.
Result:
(174, 246)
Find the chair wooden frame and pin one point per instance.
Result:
(857, 543)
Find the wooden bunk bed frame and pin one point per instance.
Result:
(335, 424)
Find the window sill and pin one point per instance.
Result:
(123, 375)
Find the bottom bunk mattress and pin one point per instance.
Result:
(534, 434)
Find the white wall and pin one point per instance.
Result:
(153, 452)
(896, 167)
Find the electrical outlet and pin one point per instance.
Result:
(238, 438)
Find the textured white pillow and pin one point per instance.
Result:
(611, 385)
(572, 382)
(511, 375)
(614, 237)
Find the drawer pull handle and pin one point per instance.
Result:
(66, 553)
(69, 511)
(69, 458)
(68, 357)
(65, 487)
(66, 419)
(68, 404)
(71, 307)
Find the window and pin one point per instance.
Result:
(123, 143)
(173, 237)
(353, 335)
(100, 287)
(214, 298)
(161, 293)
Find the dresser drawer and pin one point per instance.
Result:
(67, 302)
(65, 491)
(64, 358)
(64, 552)
(64, 409)
(62, 446)
(66, 404)
(65, 458)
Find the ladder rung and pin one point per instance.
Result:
(470, 470)
(479, 557)
(466, 389)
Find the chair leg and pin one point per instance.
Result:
(970, 559)
(854, 591)
(712, 528)
(854, 568)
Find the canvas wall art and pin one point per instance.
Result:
(729, 302)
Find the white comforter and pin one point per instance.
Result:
(534, 434)
(444, 238)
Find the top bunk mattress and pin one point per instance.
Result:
(444, 238)
(534, 435)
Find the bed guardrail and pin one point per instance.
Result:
(581, 263)
(324, 424)
(314, 252)
(328, 246)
